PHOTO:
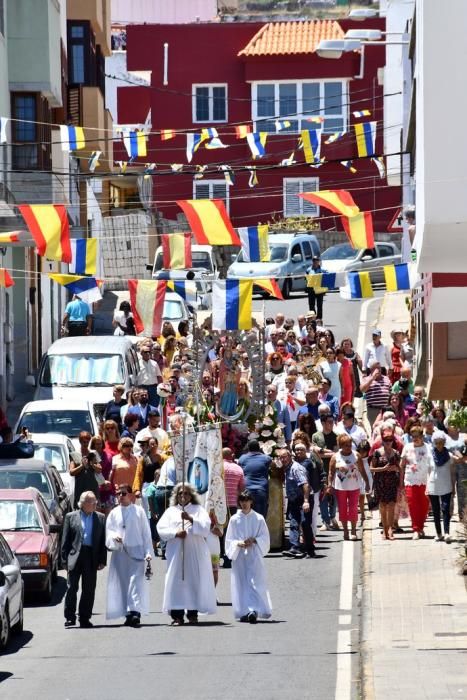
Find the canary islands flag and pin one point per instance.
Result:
(135, 143)
(186, 289)
(231, 304)
(397, 277)
(48, 225)
(254, 240)
(147, 304)
(257, 143)
(311, 140)
(86, 288)
(360, 285)
(366, 138)
(84, 256)
(322, 281)
(209, 221)
(176, 251)
(72, 137)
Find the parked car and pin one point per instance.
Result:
(343, 258)
(86, 368)
(25, 473)
(11, 594)
(33, 534)
(291, 256)
(56, 449)
(68, 417)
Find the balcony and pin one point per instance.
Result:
(86, 108)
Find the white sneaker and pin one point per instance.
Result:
(324, 527)
(447, 539)
(416, 536)
(438, 538)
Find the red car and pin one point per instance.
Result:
(33, 535)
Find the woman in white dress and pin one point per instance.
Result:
(189, 583)
(246, 543)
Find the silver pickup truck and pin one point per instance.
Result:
(344, 258)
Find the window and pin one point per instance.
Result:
(209, 103)
(385, 251)
(296, 101)
(307, 250)
(296, 250)
(82, 62)
(295, 205)
(211, 189)
(24, 107)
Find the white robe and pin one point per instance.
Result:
(127, 588)
(195, 591)
(248, 576)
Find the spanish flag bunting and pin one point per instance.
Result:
(255, 243)
(253, 179)
(231, 304)
(257, 143)
(397, 277)
(365, 133)
(176, 251)
(359, 230)
(348, 164)
(269, 286)
(147, 304)
(135, 143)
(86, 288)
(167, 134)
(209, 221)
(3, 123)
(5, 278)
(93, 161)
(11, 237)
(360, 285)
(48, 224)
(315, 120)
(311, 140)
(337, 201)
(362, 113)
(242, 130)
(72, 137)
(84, 256)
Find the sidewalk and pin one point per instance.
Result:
(414, 631)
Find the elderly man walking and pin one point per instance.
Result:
(299, 507)
(84, 553)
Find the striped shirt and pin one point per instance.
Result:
(234, 482)
(377, 394)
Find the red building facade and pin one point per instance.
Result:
(225, 74)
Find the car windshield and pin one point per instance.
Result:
(68, 422)
(52, 454)
(343, 251)
(19, 515)
(23, 479)
(278, 254)
(82, 370)
(173, 310)
(200, 259)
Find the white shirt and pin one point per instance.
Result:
(376, 353)
(158, 433)
(149, 373)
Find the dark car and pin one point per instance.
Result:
(32, 534)
(29, 472)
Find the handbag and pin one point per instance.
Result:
(373, 502)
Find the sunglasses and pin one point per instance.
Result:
(122, 493)
(388, 439)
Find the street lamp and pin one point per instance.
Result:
(363, 14)
(334, 48)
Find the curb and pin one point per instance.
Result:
(366, 660)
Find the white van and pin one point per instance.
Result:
(87, 368)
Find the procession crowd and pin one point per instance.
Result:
(402, 455)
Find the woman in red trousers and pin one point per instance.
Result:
(416, 462)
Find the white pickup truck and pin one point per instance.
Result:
(203, 266)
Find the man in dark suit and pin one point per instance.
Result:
(142, 408)
(84, 553)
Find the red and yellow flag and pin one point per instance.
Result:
(359, 230)
(209, 221)
(11, 237)
(48, 224)
(242, 130)
(338, 201)
(176, 251)
(167, 134)
(147, 304)
(269, 286)
(5, 278)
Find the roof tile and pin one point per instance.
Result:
(288, 38)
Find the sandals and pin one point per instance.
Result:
(177, 623)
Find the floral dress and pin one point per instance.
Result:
(385, 484)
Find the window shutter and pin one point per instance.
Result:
(291, 201)
(219, 191)
(201, 190)
(309, 185)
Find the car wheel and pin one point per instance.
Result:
(286, 288)
(46, 594)
(4, 630)
(18, 627)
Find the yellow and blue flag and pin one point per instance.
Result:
(231, 304)
(365, 133)
(186, 289)
(257, 143)
(311, 140)
(360, 285)
(282, 124)
(322, 281)
(362, 113)
(193, 142)
(255, 244)
(332, 138)
(93, 160)
(86, 288)
(83, 256)
(397, 277)
(348, 164)
(135, 143)
(72, 137)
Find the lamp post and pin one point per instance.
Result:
(334, 48)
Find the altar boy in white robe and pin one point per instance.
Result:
(128, 536)
(189, 583)
(246, 543)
